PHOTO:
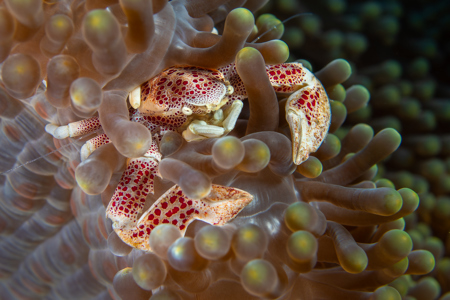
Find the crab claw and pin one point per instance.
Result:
(174, 207)
(308, 114)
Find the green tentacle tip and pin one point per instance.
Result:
(311, 168)
(246, 54)
(391, 135)
(386, 293)
(282, 47)
(299, 216)
(422, 261)
(393, 202)
(397, 242)
(410, 198)
(337, 92)
(344, 67)
(338, 108)
(243, 16)
(302, 246)
(383, 182)
(259, 277)
(98, 19)
(354, 260)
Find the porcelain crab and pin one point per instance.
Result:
(199, 103)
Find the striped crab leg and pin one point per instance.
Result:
(74, 129)
(80, 128)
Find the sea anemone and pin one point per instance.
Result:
(322, 230)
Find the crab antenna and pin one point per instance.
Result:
(284, 21)
(50, 153)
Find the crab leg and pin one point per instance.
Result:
(74, 129)
(285, 78)
(289, 77)
(173, 207)
(129, 197)
(93, 144)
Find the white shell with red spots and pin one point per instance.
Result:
(173, 207)
(199, 89)
(308, 114)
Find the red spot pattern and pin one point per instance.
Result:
(163, 97)
(230, 74)
(129, 197)
(167, 210)
(85, 126)
(308, 102)
(98, 141)
(174, 208)
(177, 87)
(287, 77)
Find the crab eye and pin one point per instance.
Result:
(230, 89)
(186, 110)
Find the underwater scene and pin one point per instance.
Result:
(224, 149)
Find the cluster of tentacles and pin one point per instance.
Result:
(322, 230)
(398, 52)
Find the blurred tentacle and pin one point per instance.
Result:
(194, 184)
(7, 27)
(131, 139)
(383, 144)
(238, 26)
(358, 218)
(141, 26)
(381, 201)
(94, 174)
(58, 29)
(102, 33)
(280, 151)
(198, 8)
(254, 5)
(158, 5)
(62, 70)
(94, 4)
(29, 16)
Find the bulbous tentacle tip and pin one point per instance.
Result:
(246, 53)
(240, 20)
(308, 114)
